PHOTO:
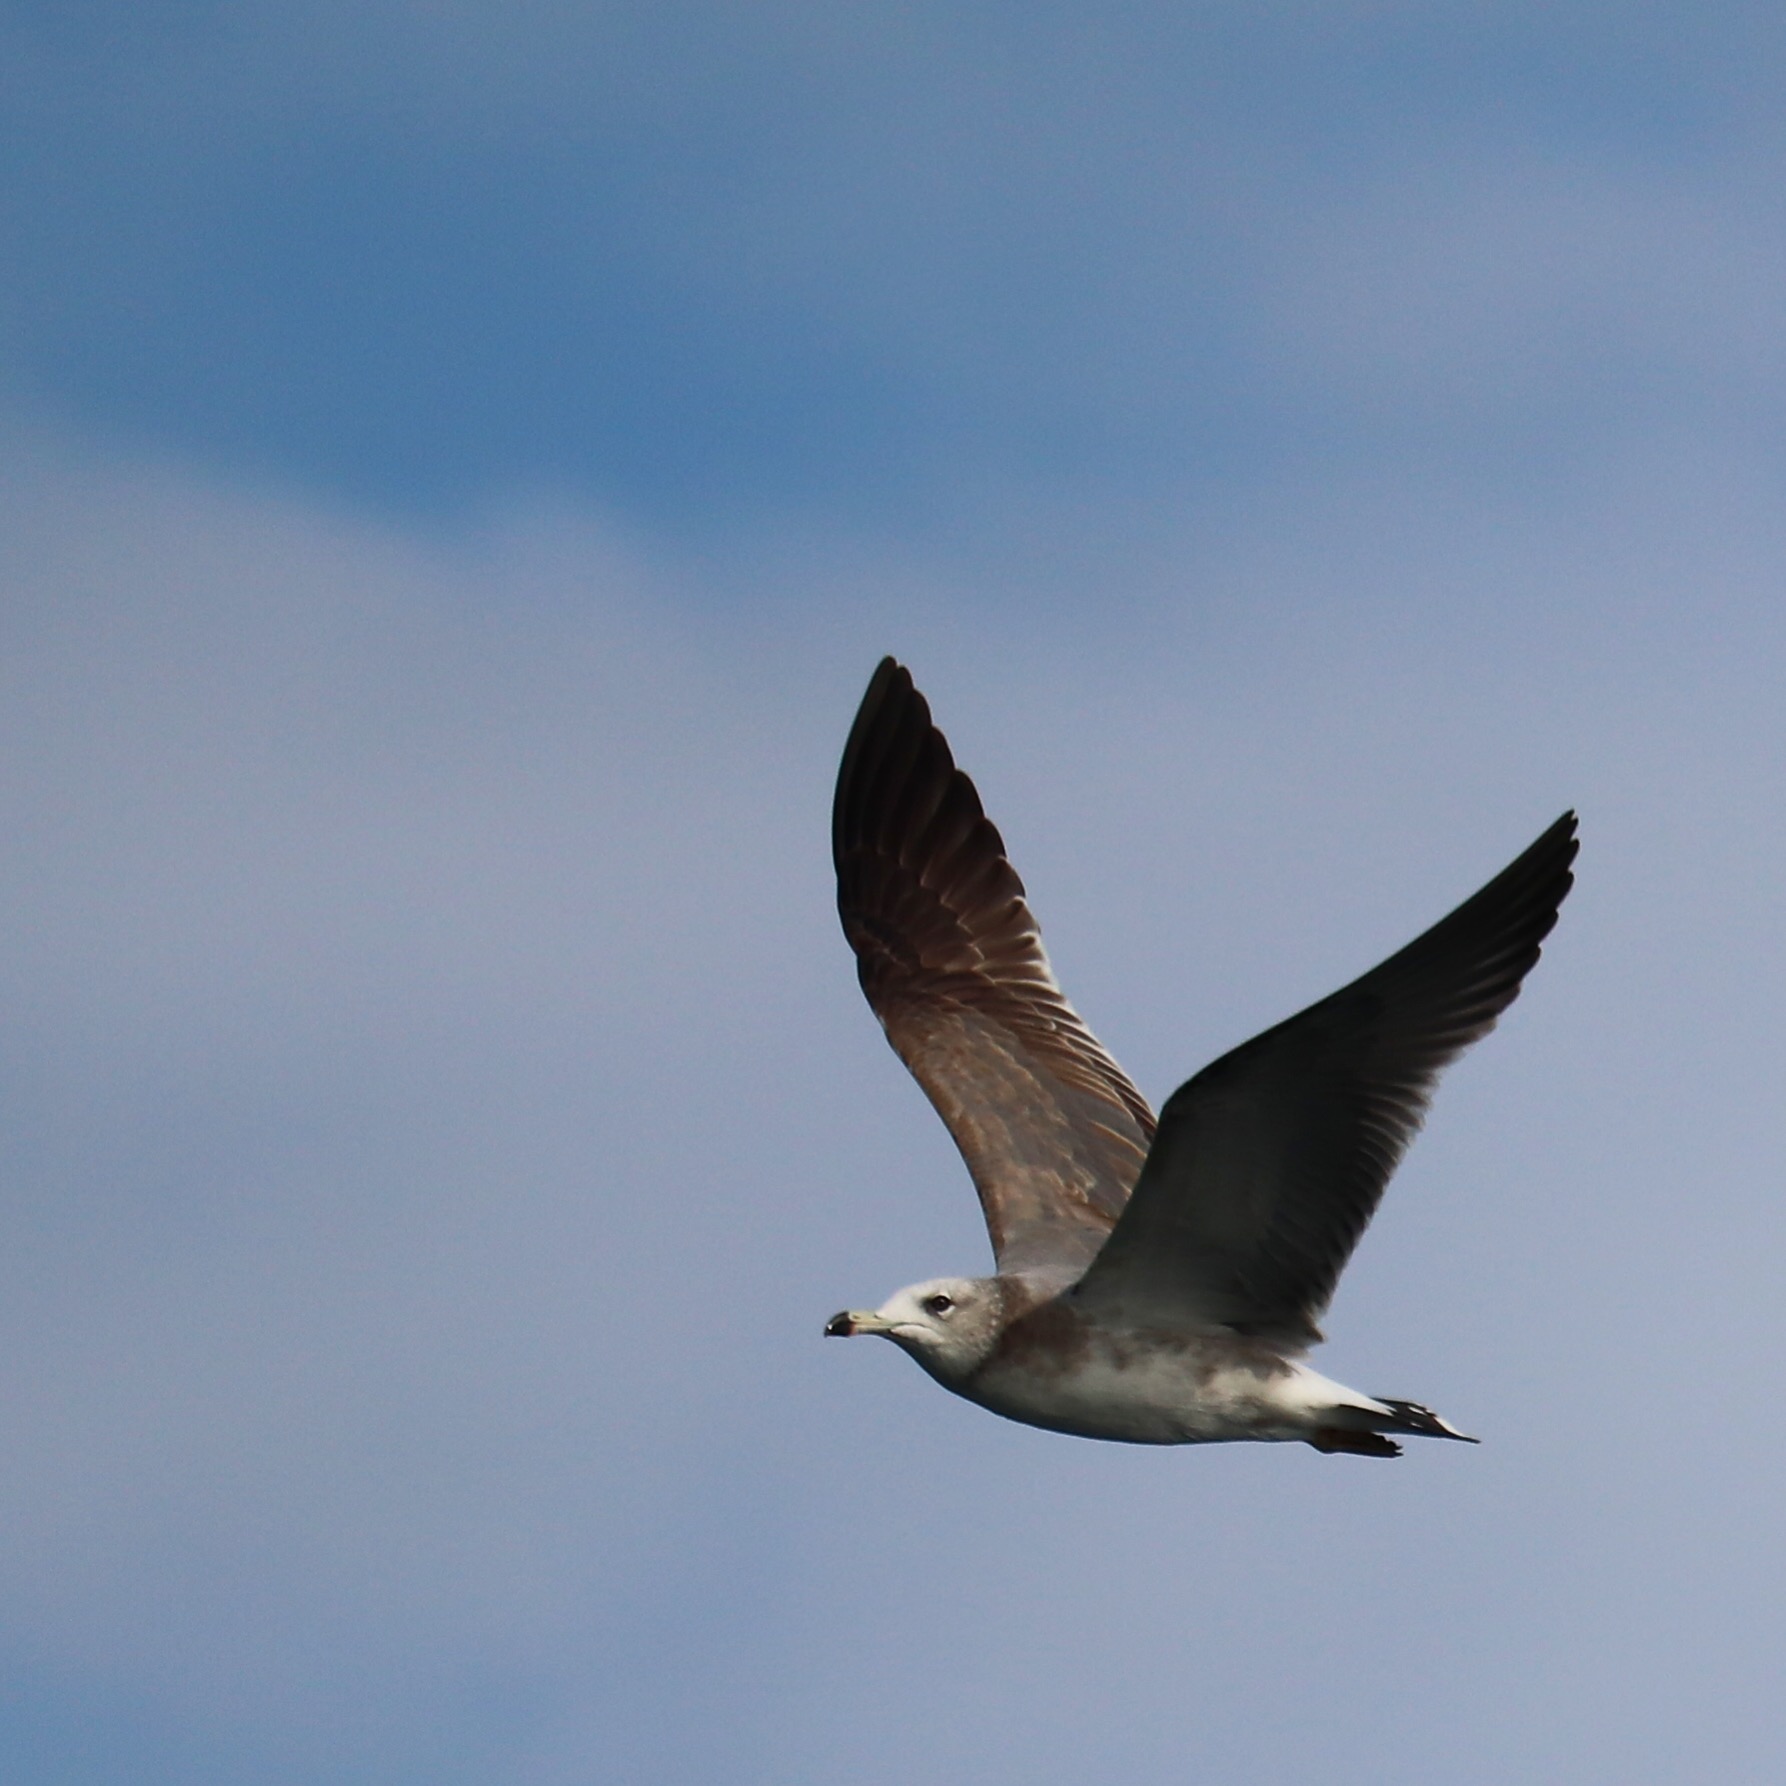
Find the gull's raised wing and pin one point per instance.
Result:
(952, 963)
(1269, 1163)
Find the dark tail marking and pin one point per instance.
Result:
(1336, 1438)
(1410, 1417)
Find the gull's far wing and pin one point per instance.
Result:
(1269, 1163)
(952, 964)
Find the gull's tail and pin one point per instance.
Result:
(1410, 1417)
(1370, 1441)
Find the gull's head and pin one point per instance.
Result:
(949, 1324)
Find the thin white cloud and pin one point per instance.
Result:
(439, 1115)
(1504, 280)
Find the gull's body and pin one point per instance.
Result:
(1157, 1283)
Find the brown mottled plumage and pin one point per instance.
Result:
(951, 960)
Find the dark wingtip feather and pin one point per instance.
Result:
(889, 689)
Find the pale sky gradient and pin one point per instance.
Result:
(458, 467)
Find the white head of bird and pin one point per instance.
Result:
(948, 1324)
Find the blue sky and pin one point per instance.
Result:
(701, 261)
(460, 466)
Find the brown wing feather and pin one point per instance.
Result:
(1270, 1162)
(951, 962)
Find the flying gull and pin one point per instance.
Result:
(1157, 1284)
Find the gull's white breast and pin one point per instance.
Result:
(1157, 1388)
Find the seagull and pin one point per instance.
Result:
(1157, 1282)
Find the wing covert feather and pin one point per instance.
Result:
(952, 964)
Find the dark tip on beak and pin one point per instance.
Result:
(840, 1326)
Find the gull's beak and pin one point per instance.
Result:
(851, 1321)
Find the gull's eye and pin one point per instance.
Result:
(938, 1305)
